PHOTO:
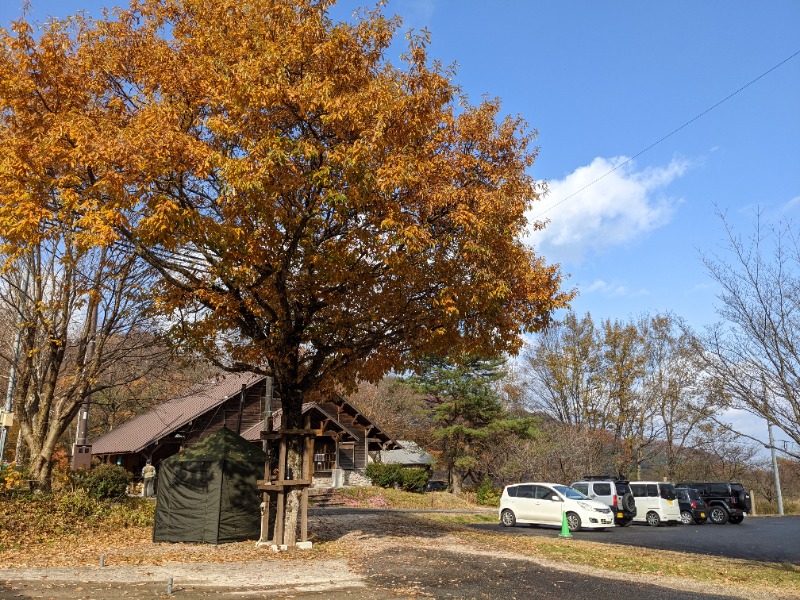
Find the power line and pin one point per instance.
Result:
(671, 133)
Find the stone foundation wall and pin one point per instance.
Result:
(322, 482)
(347, 478)
(357, 478)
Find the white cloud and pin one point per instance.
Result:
(611, 289)
(605, 204)
(792, 204)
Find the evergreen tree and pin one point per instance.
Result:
(467, 412)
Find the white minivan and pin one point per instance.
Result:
(547, 503)
(656, 503)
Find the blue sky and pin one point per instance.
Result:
(603, 81)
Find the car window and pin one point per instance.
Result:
(526, 491)
(718, 489)
(623, 488)
(693, 494)
(583, 488)
(639, 489)
(602, 489)
(737, 487)
(570, 493)
(667, 491)
(682, 494)
(543, 493)
(512, 491)
(652, 490)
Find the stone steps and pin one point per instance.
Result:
(324, 497)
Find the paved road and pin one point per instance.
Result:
(769, 539)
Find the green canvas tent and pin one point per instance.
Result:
(208, 493)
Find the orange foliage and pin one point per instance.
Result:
(332, 215)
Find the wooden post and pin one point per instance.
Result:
(242, 395)
(266, 429)
(304, 515)
(307, 475)
(279, 512)
(280, 486)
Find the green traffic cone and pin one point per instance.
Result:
(565, 532)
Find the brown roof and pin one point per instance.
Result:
(147, 428)
(253, 433)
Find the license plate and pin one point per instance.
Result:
(605, 521)
(620, 515)
(702, 515)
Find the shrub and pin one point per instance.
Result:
(11, 476)
(384, 475)
(107, 482)
(407, 478)
(487, 494)
(414, 479)
(78, 505)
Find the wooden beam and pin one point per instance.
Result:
(277, 486)
(284, 432)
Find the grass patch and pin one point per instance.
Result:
(376, 497)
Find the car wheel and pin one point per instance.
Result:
(686, 517)
(507, 518)
(718, 515)
(736, 520)
(653, 519)
(573, 522)
(700, 521)
(628, 502)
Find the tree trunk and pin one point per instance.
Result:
(292, 418)
(455, 481)
(41, 470)
(294, 460)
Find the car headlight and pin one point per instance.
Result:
(592, 508)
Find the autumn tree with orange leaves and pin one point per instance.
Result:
(314, 212)
(75, 301)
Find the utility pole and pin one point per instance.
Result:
(7, 414)
(82, 449)
(775, 471)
